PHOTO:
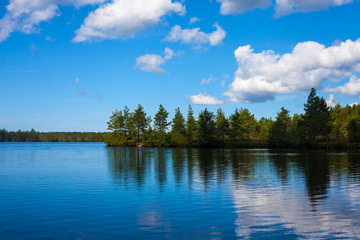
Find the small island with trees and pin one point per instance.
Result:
(318, 127)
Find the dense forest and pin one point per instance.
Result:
(318, 127)
(33, 136)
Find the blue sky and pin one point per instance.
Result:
(66, 65)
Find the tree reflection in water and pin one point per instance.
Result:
(295, 191)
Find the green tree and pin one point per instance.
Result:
(161, 125)
(190, 127)
(264, 126)
(206, 128)
(353, 128)
(279, 133)
(116, 123)
(316, 117)
(298, 134)
(222, 125)
(160, 120)
(129, 127)
(178, 132)
(178, 123)
(32, 136)
(242, 124)
(339, 120)
(140, 121)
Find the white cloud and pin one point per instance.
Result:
(207, 80)
(353, 104)
(261, 76)
(152, 62)
(124, 18)
(194, 20)
(25, 15)
(351, 89)
(241, 6)
(282, 7)
(331, 101)
(195, 36)
(205, 99)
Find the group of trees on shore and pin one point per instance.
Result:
(33, 136)
(318, 126)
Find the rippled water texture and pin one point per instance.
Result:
(88, 191)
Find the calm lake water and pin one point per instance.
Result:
(89, 191)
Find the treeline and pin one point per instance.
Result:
(33, 136)
(318, 127)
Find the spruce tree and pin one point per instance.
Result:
(316, 117)
(161, 125)
(190, 127)
(160, 120)
(139, 121)
(279, 132)
(222, 124)
(178, 123)
(206, 128)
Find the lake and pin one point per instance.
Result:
(88, 191)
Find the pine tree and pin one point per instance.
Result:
(316, 117)
(222, 124)
(190, 127)
(279, 133)
(242, 124)
(353, 128)
(206, 127)
(32, 136)
(160, 120)
(139, 121)
(129, 128)
(178, 123)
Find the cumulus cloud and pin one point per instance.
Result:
(152, 62)
(282, 7)
(205, 99)
(331, 101)
(350, 89)
(263, 75)
(25, 15)
(195, 36)
(240, 6)
(124, 18)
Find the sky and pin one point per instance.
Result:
(66, 65)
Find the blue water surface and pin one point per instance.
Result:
(90, 191)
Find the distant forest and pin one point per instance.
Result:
(33, 136)
(318, 127)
